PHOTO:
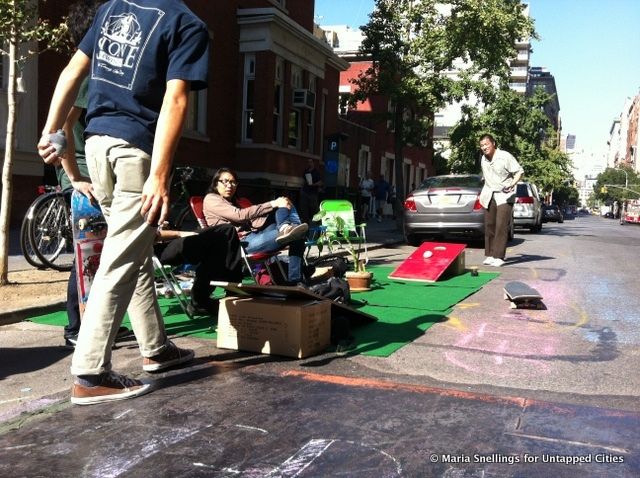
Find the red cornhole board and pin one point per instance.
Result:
(428, 262)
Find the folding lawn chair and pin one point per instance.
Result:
(339, 227)
(250, 260)
(171, 283)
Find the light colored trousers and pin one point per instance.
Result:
(124, 281)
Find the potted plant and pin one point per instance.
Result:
(336, 236)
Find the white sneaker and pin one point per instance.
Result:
(488, 261)
(497, 262)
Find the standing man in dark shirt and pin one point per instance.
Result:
(381, 194)
(309, 196)
(142, 59)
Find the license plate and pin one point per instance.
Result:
(444, 200)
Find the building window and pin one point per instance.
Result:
(278, 102)
(311, 118)
(248, 116)
(294, 129)
(196, 120)
(364, 162)
(343, 104)
(296, 77)
(295, 114)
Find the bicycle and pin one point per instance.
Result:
(48, 227)
(47, 252)
(181, 216)
(46, 234)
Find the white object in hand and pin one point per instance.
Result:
(59, 141)
(309, 178)
(427, 254)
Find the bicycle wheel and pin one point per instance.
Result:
(50, 232)
(25, 243)
(186, 220)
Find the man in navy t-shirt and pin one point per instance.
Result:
(142, 57)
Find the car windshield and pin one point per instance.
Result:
(452, 181)
(550, 208)
(522, 190)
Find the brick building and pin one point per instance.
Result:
(271, 104)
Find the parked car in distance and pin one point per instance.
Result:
(552, 213)
(445, 206)
(527, 209)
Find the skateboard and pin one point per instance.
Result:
(522, 296)
(89, 230)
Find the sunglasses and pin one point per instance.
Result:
(228, 182)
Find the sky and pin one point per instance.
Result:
(591, 47)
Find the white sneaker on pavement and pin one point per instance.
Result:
(497, 262)
(488, 261)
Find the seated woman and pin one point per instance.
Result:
(264, 227)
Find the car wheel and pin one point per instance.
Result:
(413, 240)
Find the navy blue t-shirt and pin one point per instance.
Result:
(135, 48)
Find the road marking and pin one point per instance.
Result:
(296, 464)
(570, 442)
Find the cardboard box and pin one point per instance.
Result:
(293, 328)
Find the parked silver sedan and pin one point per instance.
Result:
(444, 206)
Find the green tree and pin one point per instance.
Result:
(22, 33)
(610, 185)
(521, 127)
(415, 44)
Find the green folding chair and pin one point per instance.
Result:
(338, 227)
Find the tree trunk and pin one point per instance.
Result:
(7, 186)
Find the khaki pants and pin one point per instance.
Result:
(497, 220)
(124, 281)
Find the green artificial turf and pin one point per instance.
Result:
(405, 310)
(176, 322)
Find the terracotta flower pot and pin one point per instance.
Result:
(359, 281)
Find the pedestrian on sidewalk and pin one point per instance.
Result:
(367, 186)
(381, 195)
(144, 58)
(501, 173)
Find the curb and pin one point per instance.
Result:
(18, 315)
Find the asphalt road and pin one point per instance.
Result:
(490, 392)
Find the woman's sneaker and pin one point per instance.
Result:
(488, 261)
(172, 355)
(289, 233)
(109, 386)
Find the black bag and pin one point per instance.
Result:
(334, 288)
(339, 265)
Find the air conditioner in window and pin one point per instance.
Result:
(304, 99)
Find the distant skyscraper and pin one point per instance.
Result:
(540, 77)
(571, 142)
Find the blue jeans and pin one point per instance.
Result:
(264, 240)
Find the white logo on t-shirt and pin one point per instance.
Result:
(123, 38)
